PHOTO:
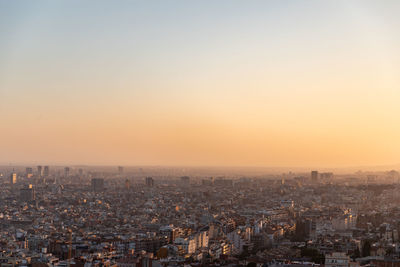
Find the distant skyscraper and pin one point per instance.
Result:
(66, 172)
(120, 170)
(13, 178)
(40, 171)
(149, 182)
(46, 171)
(98, 184)
(29, 172)
(80, 171)
(314, 176)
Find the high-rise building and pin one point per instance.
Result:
(120, 170)
(40, 171)
(46, 171)
(314, 176)
(149, 182)
(27, 194)
(66, 172)
(13, 178)
(97, 184)
(29, 172)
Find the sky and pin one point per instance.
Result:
(200, 83)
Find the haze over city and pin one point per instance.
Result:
(192, 83)
(221, 133)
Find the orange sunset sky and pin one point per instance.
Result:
(232, 83)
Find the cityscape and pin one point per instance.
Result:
(116, 216)
(170, 133)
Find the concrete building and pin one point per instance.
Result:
(66, 172)
(29, 172)
(13, 178)
(337, 259)
(314, 176)
(149, 182)
(27, 194)
(97, 184)
(46, 171)
(39, 171)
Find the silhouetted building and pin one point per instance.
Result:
(149, 182)
(27, 194)
(46, 171)
(39, 171)
(97, 184)
(66, 172)
(29, 172)
(314, 176)
(13, 178)
(120, 170)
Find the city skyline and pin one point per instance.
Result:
(288, 84)
(199, 133)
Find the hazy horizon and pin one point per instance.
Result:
(243, 170)
(229, 83)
